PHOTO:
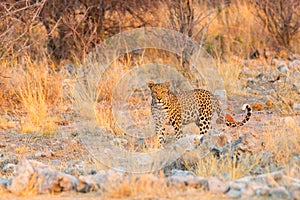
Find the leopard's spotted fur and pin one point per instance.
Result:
(179, 109)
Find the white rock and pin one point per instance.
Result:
(283, 69)
(279, 193)
(9, 166)
(234, 193)
(290, 122)
(221, 94)
(295, 191)
(294, 64)
(216, 186)
(178, 172)
(4, 184)
(296, 106)
(44, 179)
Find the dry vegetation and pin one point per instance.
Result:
(39, 40)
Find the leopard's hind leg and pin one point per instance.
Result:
(203, 121)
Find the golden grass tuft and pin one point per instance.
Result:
(230, 71)
(283, 141)
(33, 90)
(226, 167)
(144, 186)
(235, 31)
(40, 93)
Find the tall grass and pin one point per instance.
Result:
(35, 92)
(284, 141)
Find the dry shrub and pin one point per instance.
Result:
(33, 92)
(20, 31)
(75, 27)
(145, 186)
(234, 31)
(283, 141)
(212, 166)
(281, 20)
(230, 72)
(39, 95)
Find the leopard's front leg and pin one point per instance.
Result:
(159, 117)
(177, 124)
(160, 132)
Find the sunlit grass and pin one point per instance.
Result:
(283, 141)
(35, 93)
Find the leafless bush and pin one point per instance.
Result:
(18, 26)
(192, 18)
(79, 25)
(281, 18)
(67, 29)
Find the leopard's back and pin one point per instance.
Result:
(193, 104)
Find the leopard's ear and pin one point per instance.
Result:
(150, 84)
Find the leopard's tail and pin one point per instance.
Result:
(246, 118)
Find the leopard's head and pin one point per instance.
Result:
(159, 91)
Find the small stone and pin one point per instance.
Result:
(229, 118)
(178, 172)
(221, 94)
(248, 192)
(91, 182)
(4, 184)
(295, 192)
(120, 141)
(296, 106)
(47, 154)
(283, 68)
(275, 61)
(74, 134)
(234, 193)
(279, 193)
(260, 76)
(24, 173)
(294, 64)
(9, 168)
(2, 145)
(199, 182)
(188, 181)
(250, 82)
(293, 56)
(290, 122)
(213, 132)
(114, 175)
(44, 179)
(257, 106)
(269, 104)
(216, 186)
(262, 191)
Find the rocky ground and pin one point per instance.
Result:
(60, 165)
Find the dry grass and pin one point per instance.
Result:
(34, 92)
(236, 31)
(230, 72)
(150, 187)
(227, 168)
(40, 93)
(31, 90)
(280, 139)
(283, 140)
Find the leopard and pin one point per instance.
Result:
(182, 108)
